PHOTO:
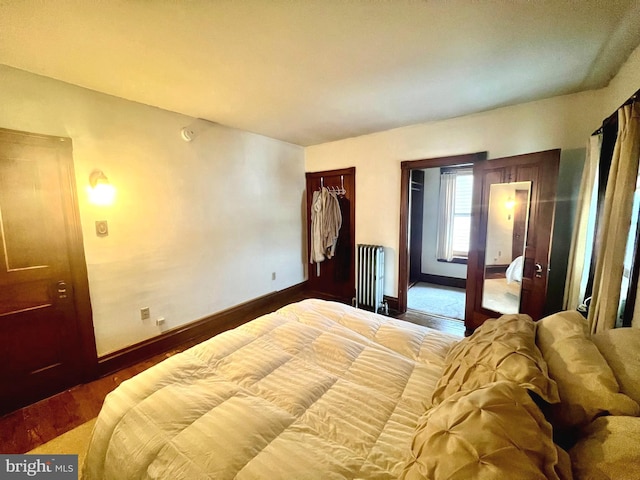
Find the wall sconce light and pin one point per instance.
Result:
(100, 191)
(510, 203)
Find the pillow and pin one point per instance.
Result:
(501, 349)
(586, 384)
(610, 449)
(493, 432)
(561, 325)
(621, 349)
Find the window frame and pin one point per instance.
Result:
(459, 256)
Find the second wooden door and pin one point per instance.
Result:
(541, 170)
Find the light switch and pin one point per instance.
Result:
(102, 229)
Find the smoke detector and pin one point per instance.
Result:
(187, 134)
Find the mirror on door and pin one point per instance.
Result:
(508, 217)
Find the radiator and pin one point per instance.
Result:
(370, 279)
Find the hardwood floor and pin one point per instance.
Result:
(31, 426)
(448, 325)
(25, 429)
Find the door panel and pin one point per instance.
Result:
(335, 277)
(541, 169)
(40, 330)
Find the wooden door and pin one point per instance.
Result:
(541, 169)
(335, 278)
(46, 335)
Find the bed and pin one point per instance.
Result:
(514, 270)
(320, 390)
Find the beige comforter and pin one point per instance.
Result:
(316, 390)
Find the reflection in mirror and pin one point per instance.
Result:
(505, 244)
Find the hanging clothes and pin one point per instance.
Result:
(326, 221)
(332, 223)
(317, 255)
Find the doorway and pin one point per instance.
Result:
(431, 292)
(437, 256)
(535, 172)
(46, 331)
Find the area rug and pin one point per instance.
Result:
(74, 442)
(437, 300)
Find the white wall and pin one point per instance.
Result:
(624, 84)
(196, 228)
(561, 122)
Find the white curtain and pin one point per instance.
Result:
(615, 220)
(580, 254)
(445, 216)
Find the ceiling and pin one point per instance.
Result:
(309, 71)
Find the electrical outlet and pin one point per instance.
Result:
(145, 313)
(273, 275)
(160, 321)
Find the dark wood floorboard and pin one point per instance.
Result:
(444, 324)
(31, 426)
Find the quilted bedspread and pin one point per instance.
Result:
(316, 390)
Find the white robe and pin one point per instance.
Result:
(326, 220)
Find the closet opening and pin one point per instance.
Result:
(435, 232)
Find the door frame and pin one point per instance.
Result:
(405, 179)
(88, 370)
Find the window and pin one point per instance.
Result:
(454, 219)
(462, 214)
(606, 247)
(628, 289)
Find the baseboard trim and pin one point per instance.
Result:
(392, 302)
(331, 297)
(198, 330)
(442, 280)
